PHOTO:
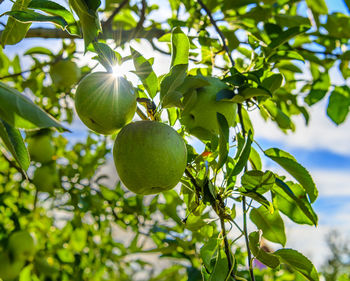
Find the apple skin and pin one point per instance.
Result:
(45, 178)
(150, 157)
(65, 73)
(9, 269)
(105, 103)
(200, 118)
(21, 245)
(40, 148)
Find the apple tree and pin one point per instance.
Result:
(194, 200)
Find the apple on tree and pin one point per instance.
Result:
(65, 73)
(45, 178)
(150, 157)
(9, 268)
(201, 106)
(21, 245)
(105, 103)
(40, 147)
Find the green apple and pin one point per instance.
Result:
(105, 103)
(40, 148)
(150, 157)
(199, 114)
(9, 269)
(45, 178)
(21, 245)
(65, 74)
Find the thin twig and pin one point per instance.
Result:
(20, 73)
(245, 228)
(213, 22)
(142, 16)
(227, 246)
(141, 114)
(115, 12)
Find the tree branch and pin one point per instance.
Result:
(115, 12)
(213, 22)
(118, 35)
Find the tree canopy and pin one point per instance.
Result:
(227, 59)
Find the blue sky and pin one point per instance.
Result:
(322, 147)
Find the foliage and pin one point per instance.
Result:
(269, 55)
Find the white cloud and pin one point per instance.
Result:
(321, 133)
(332, 183)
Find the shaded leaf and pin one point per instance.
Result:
(20, 112)
(223, 140)
(266, 258)
(12, 138)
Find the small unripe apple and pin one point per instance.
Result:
(105, 103)
(150, 157)
(21, 245)
(40, 148)
(45, 178)
(65, 73)
(199, 118)
(9, 268)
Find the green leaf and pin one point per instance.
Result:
(286, 35)
(14, 30)
(106, 56)
(291, 20)
(266, 258)
(337, 24)
(283, 121)
(258, 181)
(20, 112)
(242, 155)
(191, 83)
(31, 16)
(338, 104)
(315, 96)
(207, 251)
(258, 198)
(108, 194)
(286, 55)
(145, 72)
(39, 51)
(285, 191)
(13, 140)
(288, 162)
(254, 159)
(65, 255)
(318, 6)
(243, 95)
(180, 46)
(78, 239)
(169, 84)
(223, 140)
(221, 269)
(290, 207)
(89, 22)
(55, 9)
(271, 225)
(298, 262)
(273, 82)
